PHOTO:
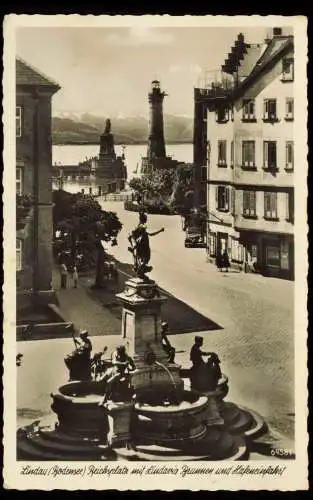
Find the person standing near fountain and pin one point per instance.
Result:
(140, 246)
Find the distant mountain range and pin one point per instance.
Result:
(71, 128)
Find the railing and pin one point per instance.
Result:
(115, 197)
(215, 84)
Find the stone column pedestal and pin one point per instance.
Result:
(119, 418)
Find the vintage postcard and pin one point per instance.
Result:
(156, 305)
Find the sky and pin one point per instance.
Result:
(108, 71)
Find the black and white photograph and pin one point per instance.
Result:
(155, 312)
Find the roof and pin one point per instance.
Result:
(275, 50)
(27, 75)
(251, 56)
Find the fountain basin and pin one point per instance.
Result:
(172, 423)
(77, 407)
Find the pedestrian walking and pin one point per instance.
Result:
(63, 275)
(75, 276)
(225, 261)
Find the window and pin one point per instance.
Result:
(284, 255)
(233, 201)
(289, 108)
(248, 110)
(222, 114)
(19, 180)
(254, 251)
(270, 156)
(248, 153)
(289, 155)
(18, 254)
(222, 198)
(290, 206)
(212, 244)
(273, 256)
(249, 204)
(221, 153)
(288, 69)
(18, 121)
(232, 153)
(237, 252)
(270, 110)
(270, 205)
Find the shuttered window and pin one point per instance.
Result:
(270, 110)
(249, 203)
(248, 110)
(270, 205)
(222, 198)
(248, 153)
(289, 155)
(270, 155)
(221, 155)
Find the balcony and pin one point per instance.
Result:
(214, 85)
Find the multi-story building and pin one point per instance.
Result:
(33, 186)
(250, 160)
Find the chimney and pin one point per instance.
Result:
(277, 32)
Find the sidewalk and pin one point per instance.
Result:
(79, 306)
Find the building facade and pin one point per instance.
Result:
(250, 162)
(34, 228)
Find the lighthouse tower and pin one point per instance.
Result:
(156, 144)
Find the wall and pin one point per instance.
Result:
(34, 149)
(267, 87)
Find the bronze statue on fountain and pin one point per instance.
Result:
(204, 376)
(140, 247)
(78, 362)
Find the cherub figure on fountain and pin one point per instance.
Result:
(140, 246)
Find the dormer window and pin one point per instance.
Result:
(270, 110)
(248, 110)
(288, 69)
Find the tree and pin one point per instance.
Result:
(88, 225)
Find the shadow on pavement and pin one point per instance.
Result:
(180, 317)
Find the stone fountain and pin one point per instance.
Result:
(158, 417)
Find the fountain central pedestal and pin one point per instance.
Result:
(154, 377)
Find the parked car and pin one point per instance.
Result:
(194, 238)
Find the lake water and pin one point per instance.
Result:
(72, 155)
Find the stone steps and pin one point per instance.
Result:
(42, 444)
(230, 448)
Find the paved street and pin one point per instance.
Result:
(247, 319)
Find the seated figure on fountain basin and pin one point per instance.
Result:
(79, 361)
(116, 378)
(204, 376)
